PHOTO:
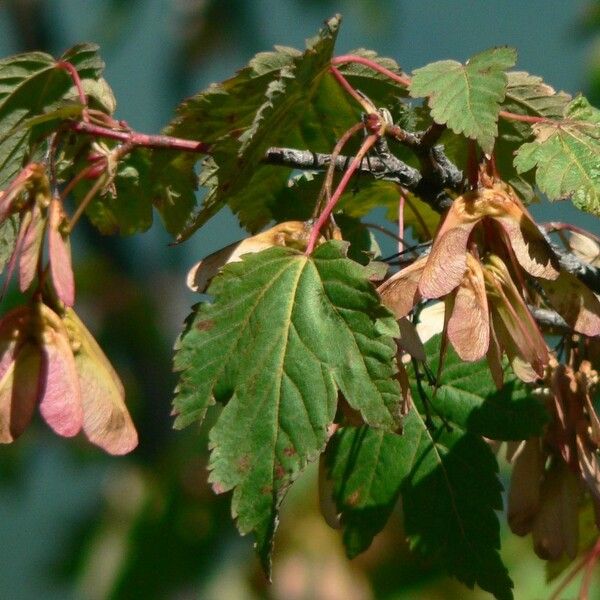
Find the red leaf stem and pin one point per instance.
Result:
(72, 71)
(141, 139)
(368, 107)
(324, 216)
(523, 118)
(352, 58)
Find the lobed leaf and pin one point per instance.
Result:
(367, 468)
(467, 97)
(565, 155)
(449, 502)
(525, 95)
(467, 397)
(285, 97)
(33, 92)
(284, 333)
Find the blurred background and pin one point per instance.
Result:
(79, 524)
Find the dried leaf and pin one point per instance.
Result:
(400, 292)
(292, 234)
(524, 494)
(555, 529)
(575, 302)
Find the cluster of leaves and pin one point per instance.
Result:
(304, 355)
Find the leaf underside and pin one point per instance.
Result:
(566, 156)
(282, 98)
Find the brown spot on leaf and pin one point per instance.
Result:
(218, 488)
(205, 325)
(279, 471)
(244, 464)
(289, 451)
(353, 498)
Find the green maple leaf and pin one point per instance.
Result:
(565, 156)
(467, 97)
(282, 98)
(447, 517)
(367, 468)
(450, 492)
(34, 98)
(284, 334)
(525, 95)
(467, 397)
(449, 502)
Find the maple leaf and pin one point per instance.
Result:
(467, 97)
(327, 332)
(565, 156)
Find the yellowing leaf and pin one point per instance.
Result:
(293, 234)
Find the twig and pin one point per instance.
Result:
(387, 232)
(141, 139)
(85, 202)
(559, 226)
(387, 168)
(549, 318)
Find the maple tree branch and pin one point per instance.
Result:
(382, 164)
(549, 318)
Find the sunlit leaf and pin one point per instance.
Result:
(32, 88)
(467, 97)
(525, 95)
(326, 332)
(565, 156)
(282, 98)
